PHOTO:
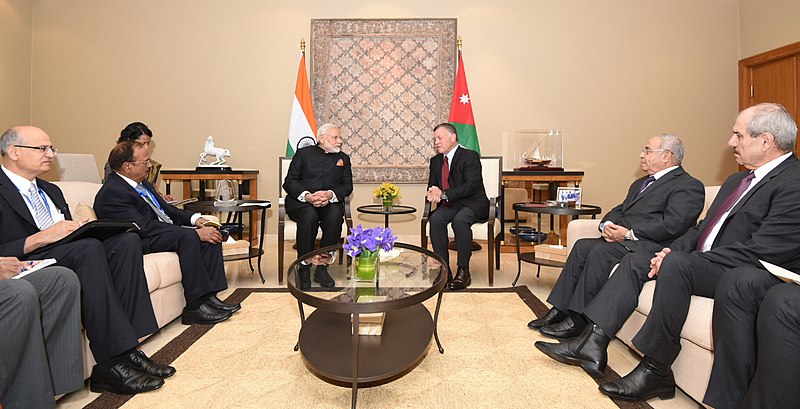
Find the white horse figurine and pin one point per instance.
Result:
(210, 149)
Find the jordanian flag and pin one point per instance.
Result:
(461, 111)
(302, 123)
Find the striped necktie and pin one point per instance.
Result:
(145, 194)
(40, 213)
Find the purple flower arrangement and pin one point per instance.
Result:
(367, 242)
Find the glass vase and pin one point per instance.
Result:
(387, 204)
(365, 266)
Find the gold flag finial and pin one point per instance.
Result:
(459, 43)
(302, 45)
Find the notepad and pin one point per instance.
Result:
(781, 272)
(30, 266)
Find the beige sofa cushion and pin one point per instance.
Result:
(697, 328)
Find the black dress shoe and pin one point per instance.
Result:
(124, 379)
(589, 350)
(553, 316)
(218, 304)
(322, 277)
(204, 314)
(143, 363)
(648, 380)
(565, 329)
(304, 277)
(462, 279)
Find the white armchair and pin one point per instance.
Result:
(491, 170)
(288, 228)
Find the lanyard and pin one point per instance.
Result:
(144, 191)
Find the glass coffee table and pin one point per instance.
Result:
(406, 276)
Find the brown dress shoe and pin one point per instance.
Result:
(462, 279)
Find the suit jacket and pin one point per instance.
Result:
(764, 224)
(15, 218)
(117, 200)
(664, 211)
(466, 181)
(311, 170)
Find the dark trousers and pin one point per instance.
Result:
(586, 272)
(310, 219)
(202, 269)
(41, 338)
(462, 218)
(681, 275)
(619, 296)
(115, 302)
(774, 384)
(737, 299)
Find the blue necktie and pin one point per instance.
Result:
(40, 213)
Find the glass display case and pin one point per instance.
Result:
(536, 149)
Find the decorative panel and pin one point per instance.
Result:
(387, 83)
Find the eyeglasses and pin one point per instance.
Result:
(146, 162)
(648, 151)
(43, 149)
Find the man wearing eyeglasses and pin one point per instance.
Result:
(115, 302)
(658, 208)
(127, 195)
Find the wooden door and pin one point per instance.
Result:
(772, 76)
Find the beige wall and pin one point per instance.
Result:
(765, 25)
(610, 74)
(15, 62)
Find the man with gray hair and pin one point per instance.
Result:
(316, 184)
(658, 208)
(755, 216)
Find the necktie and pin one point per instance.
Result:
(446, 179)
(726, 206)
(144, 193)
(40, 213)
(647, 181)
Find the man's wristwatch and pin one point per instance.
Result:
(444, 195)
(628, 235)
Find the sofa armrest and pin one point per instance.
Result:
(581, 229)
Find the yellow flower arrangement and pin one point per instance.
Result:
(386, 191)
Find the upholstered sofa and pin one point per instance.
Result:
(162, 269)
(692, 368)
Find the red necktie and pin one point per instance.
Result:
(726, 205)
(446, 178)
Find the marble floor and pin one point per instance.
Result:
(621, 358)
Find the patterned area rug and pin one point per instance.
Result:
(489, 362)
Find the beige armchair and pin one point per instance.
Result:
(492, 169)
(692, 368)
(288, 228)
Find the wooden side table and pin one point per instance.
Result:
(539, 209)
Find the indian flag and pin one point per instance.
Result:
(461, 111)
(302, 122)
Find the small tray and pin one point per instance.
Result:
(532, 236)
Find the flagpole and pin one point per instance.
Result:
(303, 45)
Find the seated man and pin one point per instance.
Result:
(318, 180)
(41, 338)
(126, 195)
(455, 183)
(115, 303)
(774, 383)
(658, 209)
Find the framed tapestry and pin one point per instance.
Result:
(387, 83)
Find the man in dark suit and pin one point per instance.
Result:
(755, 216)
(657, 210)
(126, 195)
(774, 383)
(115, 303)
(456, 185)
(41, 338)
(318, 180)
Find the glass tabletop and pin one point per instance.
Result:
(405, 276)
(380, 209)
